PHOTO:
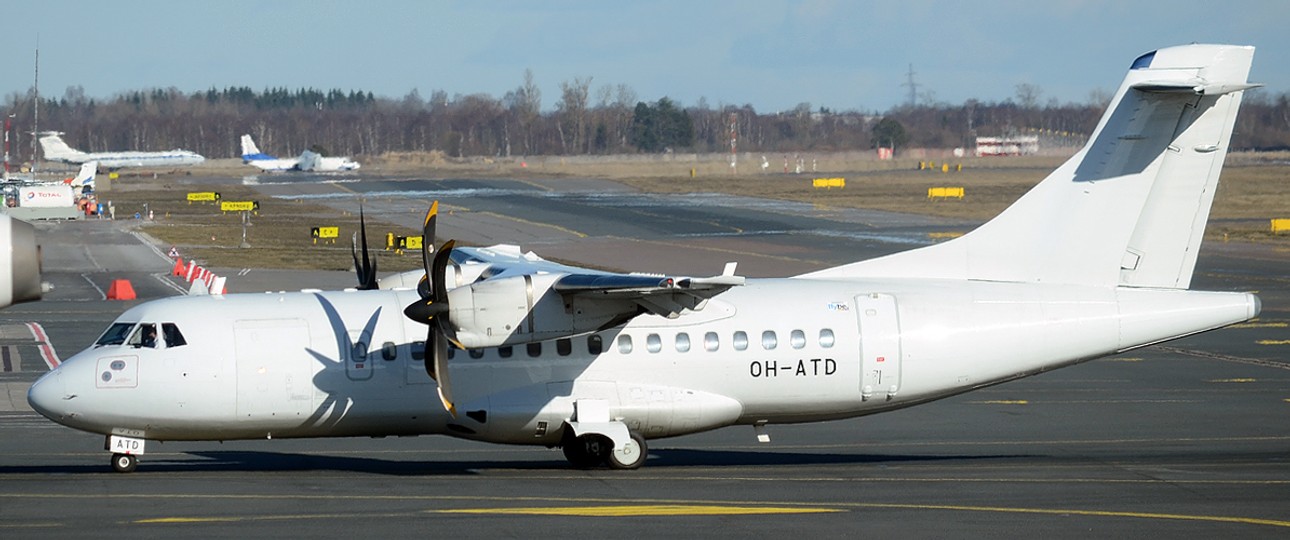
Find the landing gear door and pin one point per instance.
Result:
(879, 346)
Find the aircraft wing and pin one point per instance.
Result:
(500, 286)
(660, 295)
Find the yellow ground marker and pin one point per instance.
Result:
(1273, 342)
(1247, 380)
(1004, 402)
(1261, 325)
(640, 510)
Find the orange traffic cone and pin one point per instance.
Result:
(121, 289)
(179, 267)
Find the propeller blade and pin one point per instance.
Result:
(429, 354)
(439, 272)
(441, 371)
(367, 268)
(427, 247)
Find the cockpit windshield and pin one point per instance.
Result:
(139, 335)
(115, 334)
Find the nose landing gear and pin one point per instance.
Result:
(124, 463)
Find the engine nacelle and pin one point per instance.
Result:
(19, 262)
(524, 309)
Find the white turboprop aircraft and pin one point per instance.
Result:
(308, 161)
(1094, 261)
(55, 149)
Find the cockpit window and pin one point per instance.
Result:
(173, 337)
(144, 336)
(115, 334)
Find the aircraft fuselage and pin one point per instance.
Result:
(323, 364)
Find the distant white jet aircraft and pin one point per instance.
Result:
(1095, 260)
(57, 150)
(308, 161)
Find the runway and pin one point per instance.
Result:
(1190, 437)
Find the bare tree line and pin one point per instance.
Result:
(285, 122)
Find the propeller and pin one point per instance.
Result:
(367, 269)
(432, 309)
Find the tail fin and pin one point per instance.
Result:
(250, 152)
(1129, 208)
(54, 148)
(86, 176)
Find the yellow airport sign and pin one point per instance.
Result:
(412, 242)
(203, 196)
(829, 183)
(325, 232)
(1280, 225)
(239, 206)
(945, 192)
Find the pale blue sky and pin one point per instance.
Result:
(772, 54)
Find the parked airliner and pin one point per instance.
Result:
(51, 142)
(308, 161)
(502, 346)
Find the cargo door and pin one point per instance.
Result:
(274, 373)
(879, 346)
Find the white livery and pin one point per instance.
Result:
(55, 149)
(1096, 260)
(308, 161)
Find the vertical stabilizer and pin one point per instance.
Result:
(1129, 208)
(250, 152)
(86, 175)
(55, 149)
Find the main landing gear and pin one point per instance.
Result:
(594, 449)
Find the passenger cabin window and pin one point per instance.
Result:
(475, 353)
(452, 353)
(711, 342)
(564, 346)
(173, 337)
(505, 352)
(595, 344)
(534, 349)
(797, 339)
(418, 350)
(741, 340)
(768, 340)
(389, 351)
(826, 338)
(625, 344)
(683, 342)
(115, 334)
(653, 343)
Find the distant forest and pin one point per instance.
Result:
(610, 120)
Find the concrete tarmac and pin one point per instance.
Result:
(1190, 437)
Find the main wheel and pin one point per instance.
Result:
(632, 455)
(124, 463)
(587, 451)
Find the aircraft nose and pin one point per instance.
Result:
(48, 395)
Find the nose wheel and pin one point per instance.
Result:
(124, 463)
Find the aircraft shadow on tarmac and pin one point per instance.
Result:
(244, 461)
